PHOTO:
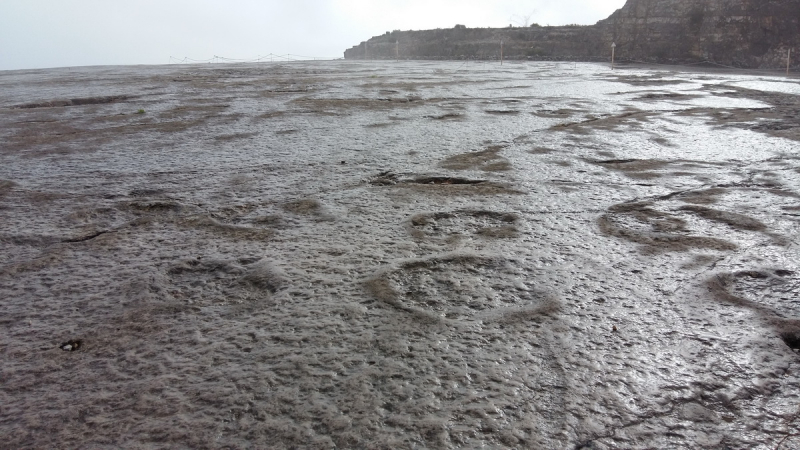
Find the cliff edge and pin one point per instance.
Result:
(738, 33)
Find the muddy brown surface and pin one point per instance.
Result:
(401, 255)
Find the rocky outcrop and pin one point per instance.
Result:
(739, 33)
(535, 42)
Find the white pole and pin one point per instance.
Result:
(613, 49)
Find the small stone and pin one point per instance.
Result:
(70, 346)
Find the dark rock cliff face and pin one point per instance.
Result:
(572, 42)
(740, 33)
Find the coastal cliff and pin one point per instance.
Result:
(739, 33)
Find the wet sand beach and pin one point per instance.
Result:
(399, 255)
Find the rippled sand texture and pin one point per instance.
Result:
(399, 255)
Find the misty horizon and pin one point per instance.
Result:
(50, 34)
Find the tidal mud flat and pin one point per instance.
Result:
(399, 255)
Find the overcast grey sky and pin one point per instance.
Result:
(56, 33)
